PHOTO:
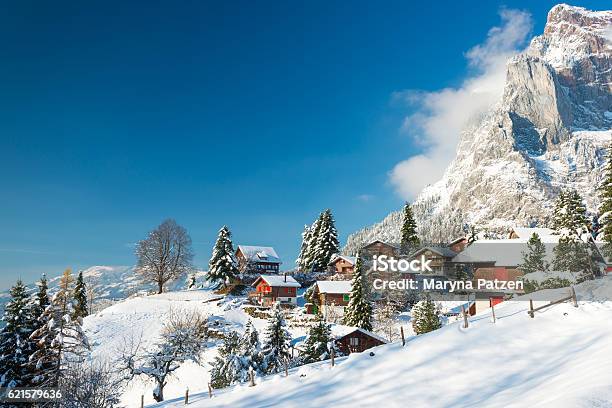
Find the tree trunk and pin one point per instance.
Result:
(158, 393)
(160, 287)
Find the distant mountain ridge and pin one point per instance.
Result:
(548, 132)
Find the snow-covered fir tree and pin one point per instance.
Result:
(80, 297)
(572, 254)
(222, 267)
(534, 260)
(237, 358)
(275, 350)
(226, 365)
(425, 316)
(409, 241)
(359, 309)
(304, 260)
(15, 345)
(41, 300)
(59, 339)
(317, 345)
(605, 209)
(326, 241)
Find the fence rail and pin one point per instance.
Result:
(571, 297)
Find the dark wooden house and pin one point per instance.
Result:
(355, 340)
(257, 259)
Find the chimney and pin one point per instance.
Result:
(285, 277)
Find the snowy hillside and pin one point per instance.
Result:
(506, 364)
(548, 132)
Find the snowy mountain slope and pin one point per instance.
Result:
(140, 319)
(548, 132)
(507, 364)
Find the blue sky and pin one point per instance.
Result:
(258, 115)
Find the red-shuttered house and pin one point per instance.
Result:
(270, 289)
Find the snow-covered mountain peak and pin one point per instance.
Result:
(548, 132)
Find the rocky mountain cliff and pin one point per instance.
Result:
(548, 132)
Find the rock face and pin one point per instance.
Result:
(548, 132)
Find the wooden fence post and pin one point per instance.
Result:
(210, 392)
(286, 369)
(141, 401)
(187, 396)
(493, 312)
(573, 292)
(531, 312)
(252, 375)
(465, 319)
(332, 354)
(403, 338)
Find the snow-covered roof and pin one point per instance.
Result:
(340, 287)
(259, 253)
(349, 259)
(504, 252)
(283, 281)
(446, 252)
(339, 330)
(526, 233)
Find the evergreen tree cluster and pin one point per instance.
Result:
(42, 337)
(572, 254)
(425, 316)
(409, 240)
(238, 357)
(275, 351)
(359, 309)
(223, 267)
(319, 243)
(605, 210)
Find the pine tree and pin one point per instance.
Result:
(222, 267)
(15, 346)
(250, 353)
(80, 297)
(276, 347)
(226, 364)
(359, 309)
(42, 298)
(425, 316)
(316, 347)
(571, 254)
(304, 260)
(534, 258)
(605, 210)
(59, 339)
(409, 241)
(326, 244)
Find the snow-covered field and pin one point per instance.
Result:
(561, 358)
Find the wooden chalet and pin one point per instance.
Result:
(378, 248)
(355, 340)
(257, 259)
(270, 289)
(441, 259)
(331, 297)
(343, 265)
(458, 245)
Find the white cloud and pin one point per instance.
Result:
(441, 115)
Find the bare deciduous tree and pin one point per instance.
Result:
(92, 385)
(165, 255)
(183, 337)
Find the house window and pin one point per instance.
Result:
(354, 341)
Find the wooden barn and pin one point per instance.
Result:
(355, 340)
